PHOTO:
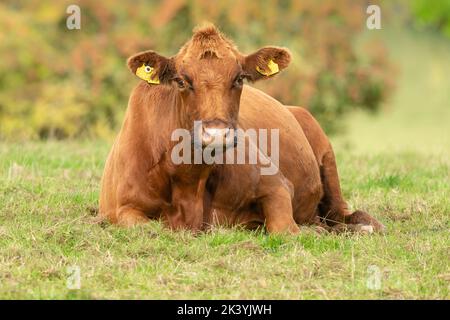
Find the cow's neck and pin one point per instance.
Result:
(189, 194)
(174, 115)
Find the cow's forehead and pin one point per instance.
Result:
(209, 65)
(211, 70)
(208, 48)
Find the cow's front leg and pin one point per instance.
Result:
(129, 217)
(276, 203)
(186, 211)
(187, 208)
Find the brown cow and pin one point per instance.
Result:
(204, 81)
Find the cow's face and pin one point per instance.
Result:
(208, 74)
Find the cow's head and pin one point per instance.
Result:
(208, 74)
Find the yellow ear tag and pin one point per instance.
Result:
(273, 67)
(147, 73)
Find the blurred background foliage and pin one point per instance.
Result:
(60, 83)
(434, 15)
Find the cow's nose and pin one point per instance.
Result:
(216, 132)
(216, 135)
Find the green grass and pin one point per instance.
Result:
(395, 165)
(46, 190)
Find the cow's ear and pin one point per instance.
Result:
(152, 67)
(266, 62)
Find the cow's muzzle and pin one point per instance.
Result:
(217, 133)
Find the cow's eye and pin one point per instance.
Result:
(180, 83)
(183, 84)
(239, 81)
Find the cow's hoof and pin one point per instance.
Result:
(366, 220)
(352, 228)
(361, 228)
(366, 229)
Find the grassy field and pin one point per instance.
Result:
(395, 165)
(46, 227)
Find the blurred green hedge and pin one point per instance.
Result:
(434, 15)
(60, 83)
